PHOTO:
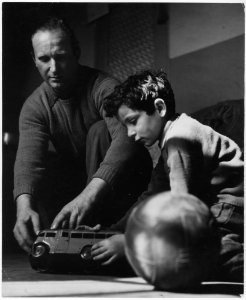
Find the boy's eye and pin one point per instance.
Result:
(132, 121)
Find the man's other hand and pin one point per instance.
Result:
(27, 223)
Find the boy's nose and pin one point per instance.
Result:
(130, 132)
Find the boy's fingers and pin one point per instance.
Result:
(109, 261)
(97, 251)
(102, 256)
(97, 245)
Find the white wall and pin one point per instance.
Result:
(206, 54)
(196, 26)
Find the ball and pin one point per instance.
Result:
(171, 241)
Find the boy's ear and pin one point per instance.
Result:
(160, 106)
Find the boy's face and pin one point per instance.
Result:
(142, 127)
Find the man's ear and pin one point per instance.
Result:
(160, 106)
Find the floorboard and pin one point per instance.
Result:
(20, 280)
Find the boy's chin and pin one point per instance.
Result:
(148, 143)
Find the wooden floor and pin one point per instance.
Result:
(19, 279)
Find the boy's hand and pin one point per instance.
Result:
(109, 250)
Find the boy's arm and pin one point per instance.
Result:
(185, 165)
(180, 169)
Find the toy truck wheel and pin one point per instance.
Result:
(40, 250)
(40, 257)
(86, 253)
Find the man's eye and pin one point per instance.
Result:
(44, 59)
(60, 57)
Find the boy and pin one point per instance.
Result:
(194, 159)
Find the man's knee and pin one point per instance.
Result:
(97, 144)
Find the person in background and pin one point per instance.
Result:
(195, 159)
(72, 160)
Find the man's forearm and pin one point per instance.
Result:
(96, 189)
(24, 201)
(74, 212)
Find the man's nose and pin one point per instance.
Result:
(53, 65)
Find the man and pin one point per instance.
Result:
(66, 110)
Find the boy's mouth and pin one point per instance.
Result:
(141, 141)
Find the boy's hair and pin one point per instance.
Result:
(139, 92)
(52, 23)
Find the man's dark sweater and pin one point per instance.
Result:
(45, 117)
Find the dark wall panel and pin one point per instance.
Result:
(210, 75)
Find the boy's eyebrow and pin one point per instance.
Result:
(128, 118)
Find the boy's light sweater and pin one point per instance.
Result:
(198, 160)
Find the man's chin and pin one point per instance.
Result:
(57, 86)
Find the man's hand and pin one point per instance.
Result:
(89, 228)
(109, 250)
(27, 223)
(72, 214)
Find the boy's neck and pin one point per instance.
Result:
(166, 125)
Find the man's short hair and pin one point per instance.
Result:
(52, 23)
(139, 92)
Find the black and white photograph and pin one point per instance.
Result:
(123, 149)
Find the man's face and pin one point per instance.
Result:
(54, 58)
(142, 127)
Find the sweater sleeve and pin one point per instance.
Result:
(122, 150)
(32, 149)
(185, 166)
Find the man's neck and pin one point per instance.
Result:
(65, 93)
(70, 89)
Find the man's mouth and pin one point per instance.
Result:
(55, 78)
